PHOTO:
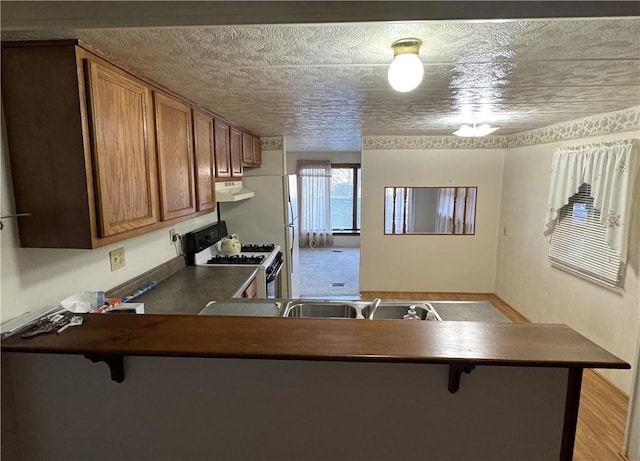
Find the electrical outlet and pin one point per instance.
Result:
(116, 257)
(172, 236)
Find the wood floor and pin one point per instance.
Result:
(603, 407)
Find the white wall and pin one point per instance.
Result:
(525, 279)
(31, 278)
(430, 262)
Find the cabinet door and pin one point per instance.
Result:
(123, 155)
(252, 290)
(175, 156)
(247, 149)
(222, 149)
(205, 160)
(257, 151)
(236, 151)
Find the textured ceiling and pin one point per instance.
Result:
(324, 85)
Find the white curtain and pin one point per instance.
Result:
(444, 217)
(470, 217)
(400, 205)
(611, 169)
(410, 210)
(314, 182)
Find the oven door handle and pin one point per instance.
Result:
(276, 268)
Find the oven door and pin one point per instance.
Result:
(273, 274)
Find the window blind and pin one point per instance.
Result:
(579, 244)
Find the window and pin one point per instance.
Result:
(588, 230)
(430, 210)
(346, 198)
(579, 242)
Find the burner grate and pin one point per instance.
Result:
(239, 259)
(259, 248)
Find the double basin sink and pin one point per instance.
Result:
(389, 310)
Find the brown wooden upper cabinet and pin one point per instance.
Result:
(257, 151)
(175, 156)
(99, 155)
(82, 152)
(251, 150)
(222, 149)
(235, 141)
(229, 148)
(247, 149)
(203, 146)
(123, 158)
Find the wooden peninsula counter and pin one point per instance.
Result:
(204, 387)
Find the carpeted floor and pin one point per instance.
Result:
(330, 272)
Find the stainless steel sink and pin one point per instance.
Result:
(321, 309)
(386, 310)
(397, 311)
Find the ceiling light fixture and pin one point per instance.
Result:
(406, 70)
(475, 131)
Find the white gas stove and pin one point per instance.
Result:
(201, 250)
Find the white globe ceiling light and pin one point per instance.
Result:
(475, 131)
(406, 71)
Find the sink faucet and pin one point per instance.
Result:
(374, 307)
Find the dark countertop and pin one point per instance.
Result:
(507, 344)
(188, 290)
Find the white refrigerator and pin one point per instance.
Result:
(271, 216)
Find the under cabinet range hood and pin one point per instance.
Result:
(232, 191)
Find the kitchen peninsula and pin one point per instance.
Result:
(203, 387)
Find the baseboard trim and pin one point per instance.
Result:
(507, 309)
(609, 384)
(516, 316)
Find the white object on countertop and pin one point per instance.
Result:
(83, 302)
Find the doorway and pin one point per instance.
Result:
(330, 219)
(330, 273)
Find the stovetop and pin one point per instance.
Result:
(201, 249)
(237, 259)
